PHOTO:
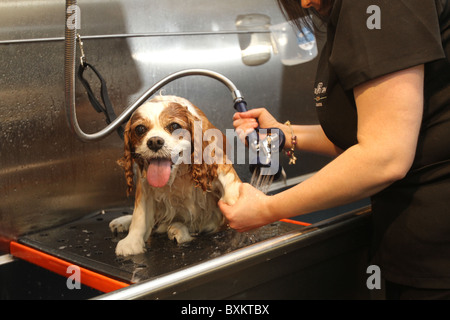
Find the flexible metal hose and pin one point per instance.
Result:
(69, 66)
(69, 75)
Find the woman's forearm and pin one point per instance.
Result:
(310, 138)
(352, 176)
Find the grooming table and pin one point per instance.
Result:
(89, 244)
(283, 260)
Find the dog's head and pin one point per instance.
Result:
(159, 137)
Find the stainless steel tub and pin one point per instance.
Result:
(327, 260)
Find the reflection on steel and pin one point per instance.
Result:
(48, 176)
(217, 264)
(71, 108)
(69, 73)
(137, 35)
(264, 250)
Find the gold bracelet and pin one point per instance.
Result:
(290, 153)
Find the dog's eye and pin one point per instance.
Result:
(140, 130)
(173, 126)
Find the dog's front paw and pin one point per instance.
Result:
(179, 232)
(231, 194)
(121, 224)
(130, 245)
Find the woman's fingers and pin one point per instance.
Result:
(252, 113)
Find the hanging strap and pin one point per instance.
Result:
(106, 107)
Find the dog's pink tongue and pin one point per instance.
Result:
(158, 172)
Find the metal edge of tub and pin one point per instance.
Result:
(334, 250)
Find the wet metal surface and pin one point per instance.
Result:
(89, 243)
(49, 177)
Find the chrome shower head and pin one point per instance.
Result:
(264, 146)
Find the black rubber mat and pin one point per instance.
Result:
(89, 243)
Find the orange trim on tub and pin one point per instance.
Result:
(305, 224)
(89, 278)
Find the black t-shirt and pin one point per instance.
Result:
(412, 216)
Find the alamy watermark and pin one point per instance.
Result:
(374, 280)
(374, 20)
(73, 20)
(74, 280)
(216, 148)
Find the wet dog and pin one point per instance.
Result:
(177, 177)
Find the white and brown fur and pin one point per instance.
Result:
(187, 204)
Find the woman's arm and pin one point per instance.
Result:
(310, 138)
(389, 117)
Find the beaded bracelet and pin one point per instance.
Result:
(290, 153)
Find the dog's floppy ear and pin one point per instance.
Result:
(202, 173)
(126, 162)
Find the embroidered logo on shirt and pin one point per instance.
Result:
(320, 94)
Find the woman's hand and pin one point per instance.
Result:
(250, 211)
(246, 122)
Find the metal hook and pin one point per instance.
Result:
(83, 56)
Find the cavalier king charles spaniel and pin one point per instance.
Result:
(177, 176)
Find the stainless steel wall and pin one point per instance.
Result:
(47, 175)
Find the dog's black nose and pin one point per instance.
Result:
(155, 143)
